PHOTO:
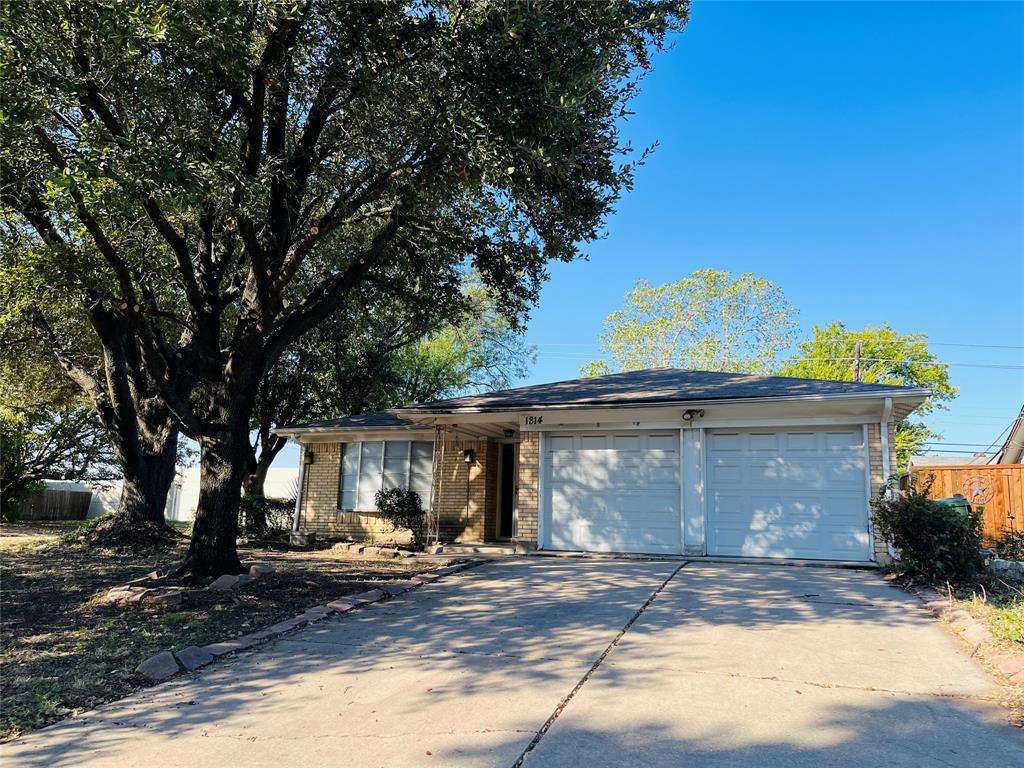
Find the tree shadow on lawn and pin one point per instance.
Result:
(492, 649)
(62, 649)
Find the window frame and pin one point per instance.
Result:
(357, 445)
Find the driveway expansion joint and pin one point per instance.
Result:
(594, 667)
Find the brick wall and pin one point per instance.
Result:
(878, 477)
(529, 488)
(468, 512)
(467, 493)
(319, 509)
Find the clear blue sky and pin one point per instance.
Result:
(868, 158)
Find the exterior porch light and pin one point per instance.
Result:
(693, 413)
(308, 457)
(468, 456)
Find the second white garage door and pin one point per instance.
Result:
(797, 493)
(615, 492)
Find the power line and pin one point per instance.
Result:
(990, 366)
(969, 445)
(941, 450)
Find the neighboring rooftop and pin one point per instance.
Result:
(948, 461)
(657, 386)
(1012, 451)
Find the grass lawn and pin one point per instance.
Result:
(62, 650)
(999, 605)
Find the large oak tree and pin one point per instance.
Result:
(220, 178)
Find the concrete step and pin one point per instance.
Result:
(478, 549)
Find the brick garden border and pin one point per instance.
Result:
(167, 664)
(972, 633)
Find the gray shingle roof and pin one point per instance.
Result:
(655, 386)
(652, 386)
(378, 420)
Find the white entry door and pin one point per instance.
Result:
(798, 493)
(612, 492)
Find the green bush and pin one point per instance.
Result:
(403, 509)
(1011, 545)
(265, 516)
(935, 542)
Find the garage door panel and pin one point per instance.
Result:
(807, 501)
(800, 442)
(720, 443)
(758, 442)
(614, 492)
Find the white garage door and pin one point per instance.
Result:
(615, 492)
(787, 493)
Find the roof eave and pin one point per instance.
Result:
(903, 394)
(311, 430)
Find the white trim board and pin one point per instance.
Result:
(705, 423)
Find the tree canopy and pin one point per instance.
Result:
(708, 321)
(384, 358)
(886, 357)
(47, 428)
(213, 181)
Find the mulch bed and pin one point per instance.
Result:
(62, 649)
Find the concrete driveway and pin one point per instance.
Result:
(645, 663)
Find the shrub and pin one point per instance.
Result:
(1011, 546)
(403, 509)
(262, 515)
(936, 542)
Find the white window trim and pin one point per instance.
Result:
(383, 455)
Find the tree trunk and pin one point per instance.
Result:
(255, 510)
(255, 478)
(148, 475)
(223, 461)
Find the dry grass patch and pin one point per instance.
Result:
(63, 650)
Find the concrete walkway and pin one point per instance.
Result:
(726, 665)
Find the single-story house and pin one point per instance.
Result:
(658, 461)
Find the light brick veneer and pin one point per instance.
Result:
(878, 477)
(529, 489)
(467, 493)
(467, 496)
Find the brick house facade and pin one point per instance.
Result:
(469, 488)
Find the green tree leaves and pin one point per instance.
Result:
(708, 321)
(887, 357)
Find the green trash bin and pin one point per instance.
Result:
(957, 502)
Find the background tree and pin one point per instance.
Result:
(708, 321)
(73, 338)
(48, 431)
(383, 359)
(887, 357)
(222, 179)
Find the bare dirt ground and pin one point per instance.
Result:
(63, 650)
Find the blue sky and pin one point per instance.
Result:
(868, 158)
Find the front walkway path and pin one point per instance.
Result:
(728, 665)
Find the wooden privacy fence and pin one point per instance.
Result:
(998, 488)
(51, 504)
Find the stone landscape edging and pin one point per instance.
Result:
(972, 633)
(167, 664)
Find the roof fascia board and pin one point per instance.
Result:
(353, 434)
(910, 394)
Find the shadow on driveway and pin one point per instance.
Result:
(730, 665)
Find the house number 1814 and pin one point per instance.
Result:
(534, 420)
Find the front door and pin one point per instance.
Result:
(507, 492)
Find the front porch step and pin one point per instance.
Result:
(478, 549)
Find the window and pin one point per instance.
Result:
(368, 467)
